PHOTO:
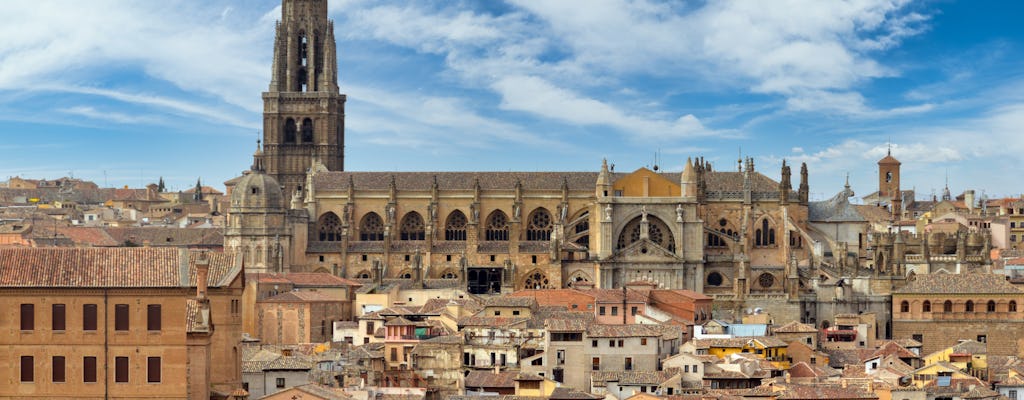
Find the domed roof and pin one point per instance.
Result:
(257, 190)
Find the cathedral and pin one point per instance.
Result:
(734, 233)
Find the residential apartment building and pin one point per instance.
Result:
(119, 323)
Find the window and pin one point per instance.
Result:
(153, 317)
(515, 312)
(611, 343)
(371, 228)
(600, 311)
(329, 228)
(57, 320)
(686, 368)
(121, 369)
(615, 311)
(27, 369)
(620, 342)
(496, 227)
(595, 364)
(643, 341)
(539, 226)
(982, 338)
(593, 343)
(969, 306)
(394, 354)
(567, 337)
(455, 227)
(89, 369)
(947, 306)
(1013, 306)
(533, 259)
(412, 227)
(990, 306)
(918, 337)
(153, 370)
(633, 311)
(280, 383)
(120, 317)
(629, 363)
(28, 317)
(904, 306)
(369, 327)
(926, 306)
(1012, 394)
(58, 369)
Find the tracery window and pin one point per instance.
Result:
(412, 227)
(765, 235)
(658, 233)
(455, 227)
(715, 279)
(329, 227)
(497, 226)
(766, 280)
(371, 228)
(539, 227)
(537, 280)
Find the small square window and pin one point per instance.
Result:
(321, 258)
(364, 257)
(448, 257)
(593, 343)
(492, 257)
(280, 383)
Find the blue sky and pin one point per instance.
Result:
(124, 92)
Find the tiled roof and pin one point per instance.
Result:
(437, 306)
(302, 296)
(423, 181)
(306, 279)
(894, 349)
(82, 235)
(970, 347)
(110, 267)
(489, 379)
(510, 301)
(733, 181)
(293, 362)
(823, 391)
(324, 392)
(566, 324)
(615, 295)
(399, 321)
(565, 393)
(633, 377)
(167, 236)
(795, 327)
(629, 330)
(971, 283)
(873, 213)
(474, 320)
(768, 341)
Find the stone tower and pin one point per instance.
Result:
(889, 182)
(257, 225)
(303, 111)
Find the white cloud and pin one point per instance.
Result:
(113, 116)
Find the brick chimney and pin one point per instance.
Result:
(202, 274)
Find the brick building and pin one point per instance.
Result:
(119, 323)
(939, 310)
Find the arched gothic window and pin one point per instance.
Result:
(765, 235)
(302, 79)
(307, 130)
(947, 306)
(969, 306)
(371, 228)
(539, 227)
(582, 229)
(329, 227)
(1012, 306)
(536, 280)
(290, 131)
(990, 306)
(795, 240)
(927, 306)
(497, 226)
(412, 227)
(455, 227)
(658, 233)
(904, 306)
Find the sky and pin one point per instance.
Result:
(125, 92)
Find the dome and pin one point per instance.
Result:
(257, 190)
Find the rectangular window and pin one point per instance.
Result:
(1012, 394)
(629, 363)
(27, 369)
(153, 370)
(643, 341)
(153, 317)
(633, 311)
(88, 317)
(369, 327)
(593, 343)
(600, 310)
(121, 369)
(120, 317)
(982, 338)
(620, 342)
(595, 364)
(918, 337)
(58, 368)
(394, 354)
(89, 369)
(615, 311)
(280, 383)
(28, 317)
(58, 323)
(611, 343)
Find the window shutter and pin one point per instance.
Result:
(89, 369)
(58, 318)
(58, 368)
(27, 371)
(121, 369)
(120, 317)
(153, 317)
(153, 367)
(28, 317)
(89, 317)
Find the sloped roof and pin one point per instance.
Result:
(795, 327)
(301, 296)
(489, 379)
(633, 377)
(622, 331)
(111, 267)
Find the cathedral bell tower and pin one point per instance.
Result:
(303, 110)
(889, 183)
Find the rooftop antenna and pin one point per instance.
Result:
(888, 143)
(656, 160)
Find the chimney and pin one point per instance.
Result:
(202, 273)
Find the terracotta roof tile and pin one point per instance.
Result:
(971, 283)
(302, 296)
(488, 379)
